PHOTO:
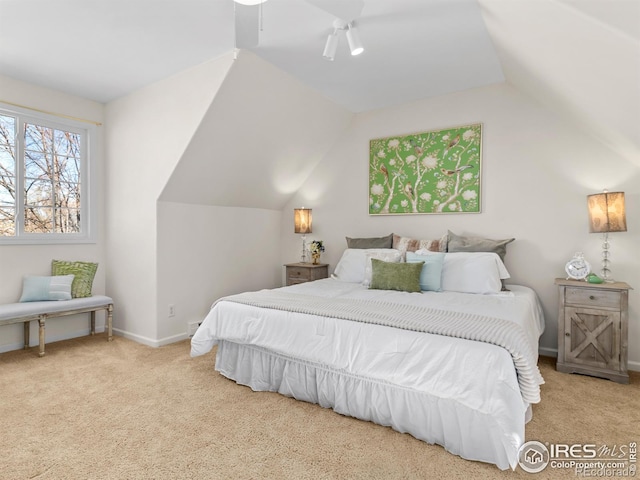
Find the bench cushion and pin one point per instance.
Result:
(33, 309)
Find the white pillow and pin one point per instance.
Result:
(391, 256)
(351, 267)
(473, 272)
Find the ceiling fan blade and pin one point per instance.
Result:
(246, 25)
(344, 9)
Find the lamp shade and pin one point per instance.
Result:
(302, 220)
(607, 212)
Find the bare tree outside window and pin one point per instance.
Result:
(48, 162)
(51, 180)
(7, 175)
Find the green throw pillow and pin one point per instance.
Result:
(395, 276)
(83, 273)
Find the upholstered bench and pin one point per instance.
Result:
(26, 312)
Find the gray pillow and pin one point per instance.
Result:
(395, 276)
(459, 243)
(372, 242)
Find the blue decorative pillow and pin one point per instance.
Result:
(36, 289)
(431, 275)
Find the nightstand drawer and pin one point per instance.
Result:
(298, 273)
(592, 297)
(305, 272)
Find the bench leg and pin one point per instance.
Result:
(27, 334)
(93, 322)
(41, 321)
(110, 322)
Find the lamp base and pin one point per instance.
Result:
(605, 273)
(303, 258)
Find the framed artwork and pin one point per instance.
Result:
(430, 172)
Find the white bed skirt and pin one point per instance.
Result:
(461, 430)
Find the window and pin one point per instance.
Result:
(44, 191)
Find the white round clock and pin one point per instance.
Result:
(578, 268)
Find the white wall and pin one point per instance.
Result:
(206, 252)
(537, 171)
(261, 137)
(146, 134)
(219, 214)
(598, 87)
(19, 260)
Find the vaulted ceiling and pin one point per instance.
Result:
(579, 57)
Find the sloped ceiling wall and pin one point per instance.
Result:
(260, 139)
(579, 58)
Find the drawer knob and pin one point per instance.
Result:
(591, 297)
(567, 334)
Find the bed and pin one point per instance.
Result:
(365, 352)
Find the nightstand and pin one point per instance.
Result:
(306, 272)
(593, 322)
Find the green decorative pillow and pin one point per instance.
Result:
(395, 276)
(83, 273)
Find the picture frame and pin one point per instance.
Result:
(433, 172)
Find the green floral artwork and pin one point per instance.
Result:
(431, 172)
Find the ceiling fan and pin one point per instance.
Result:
(248, 17)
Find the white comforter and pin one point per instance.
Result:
(471, 387)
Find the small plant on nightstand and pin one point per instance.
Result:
(316, 248)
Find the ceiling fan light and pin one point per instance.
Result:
(355, 45)
(249, 2)
(330, 47)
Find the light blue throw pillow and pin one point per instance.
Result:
(37, 289)
(431, 275)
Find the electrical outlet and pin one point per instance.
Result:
(192, 327)
(172, 310)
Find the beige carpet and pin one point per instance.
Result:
(96, 410)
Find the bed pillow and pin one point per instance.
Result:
(372, 242)
(431, 275)
(406, 244)
(37, 289)
(395, 276)
(386, 255)
(353, 263)
(84, 273)
(473, 272)
(459, 243)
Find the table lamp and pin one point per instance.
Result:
(606, 214)
(302, 224)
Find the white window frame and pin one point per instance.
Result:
(87, 232)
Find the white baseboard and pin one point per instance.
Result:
(99, 329)
(149, 341)
(51, 339)
(548, 352)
